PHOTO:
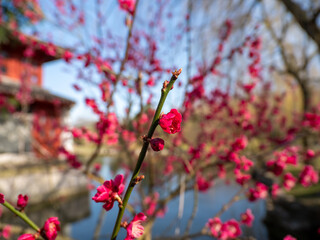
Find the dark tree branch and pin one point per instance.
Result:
(309, 25)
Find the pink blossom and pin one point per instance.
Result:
(241, 178)
(150, 82)
(109, 192)
(157, 144)
(127, 5)
(275, 190)
(97, 167)
(312, 120)
(76, 87)
(244, 163)
(221, 171)
(230, 229)
(276, 167)
(26, 236)
(151, 203)
(215, 226)
(240, 143)
(22, 201)
(308, 176)
(171, 122)
(247, 218)
(289, 237)
(259, 192)
(51, 228)
(203, 184)
(6, 232)
(28, 52)
(134, 228)
(289, 181)
(2, 200)
(71, 158)
(67, 56)
(310, 154)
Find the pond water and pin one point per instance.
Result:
(209, 204)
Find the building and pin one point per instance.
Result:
(31, 117)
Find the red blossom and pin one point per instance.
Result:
(67, 56)
(289, 181)
(289, 237)
(171, 122)
(97, 167)
(6, 232)
(310, 154)
(240, 143)
(247, 218)
(214, 225)
(241, 177)
(22, 201)
(26, 236)
(2, 200)
(259, 192)
(51, 228)
(308, 176)
(230, 229)
(275, 190)
(110, 192)
(151, 203)
(127, 5)
(157, 144)
(203, 184)
(134, 228)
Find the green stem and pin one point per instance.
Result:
(164, 94)
(21, 215)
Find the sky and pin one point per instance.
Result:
(58, 76)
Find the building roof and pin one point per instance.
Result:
(9, 87)
(15, 41)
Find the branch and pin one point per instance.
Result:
(164, 93)
(309, 25)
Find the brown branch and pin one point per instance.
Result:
(309, 25)
(194, 209)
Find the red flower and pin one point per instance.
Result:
(67, 56)
(240, 143)
(2, 200)
(134, 228)
(215, 226)
(289, 237)
(171, 121)
(97, 167)
(6, 232)
(157, 144)
(26, 236)
(22, 201)
(203, 184)
(127, 5)
(308, 176)
(289, 181)
(310, 154)
(260, 191)
(275, 190)
(51, 228)
(109, 192)
(230, 229)
(247, 218)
